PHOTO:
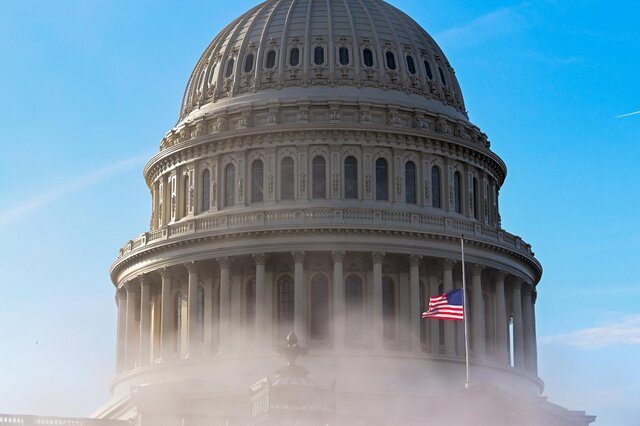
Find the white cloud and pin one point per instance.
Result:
(47, 197)
(624, 331)
(627, 115)
(494, 24)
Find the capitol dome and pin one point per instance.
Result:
(318, 181)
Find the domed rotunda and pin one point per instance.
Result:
(319, 178)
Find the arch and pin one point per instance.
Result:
(411, 65)
(257, 181)
(285, 297)
(230, 185)
(457, 192)
(319, 315)
(350, 178)
(391, 60)
(388, 309)
(367, 56)
(294, 56)
(250, 307)
(287, 178)
(410, 182)
(382, 179)
(248, 63)
(319, 177)
(206, 190)
(229, 70)
(318, 55)
(436, 198)
(271, 59)
(343, 55)
(354, 304)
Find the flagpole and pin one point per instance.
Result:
(465, 311)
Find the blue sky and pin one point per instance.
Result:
(88, 89)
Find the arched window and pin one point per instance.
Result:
(230, 185)
(427, 69)
(319, 324)
(200, 313)
(318, 55)
(444, 81)
(294, 57)
(367, 55)
(185, 195)
(212, 74)
(250, 307)
(350, 178)
(271, 59)
(257, 176)
(343, 54)
(285, 304)
(287, 179)
(457, 192)
(319, 177)
(410, 182)
(476, 204)
(229, 70)
(354, 321)
(177, 320)
(391, 60)
(411, 65)
(248, 63)
(435, 187)
(382, 179)
(206, 190)
(388, 309)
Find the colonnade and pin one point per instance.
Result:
(372, 302)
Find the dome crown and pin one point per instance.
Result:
(282, 44)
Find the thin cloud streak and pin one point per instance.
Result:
(47, 197)
(629, 114)
(625, 331)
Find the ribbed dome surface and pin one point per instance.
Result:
(332, 43)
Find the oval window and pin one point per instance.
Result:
(229, 70)
(318, 55)
(427, 69)
(294, 57)
(391, 61)
(367, 55)
(248, 63)
(411, 66)
(343, 53)
(271, 59)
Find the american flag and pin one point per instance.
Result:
(448, 306)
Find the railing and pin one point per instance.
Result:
(24, 420)
(334, 218)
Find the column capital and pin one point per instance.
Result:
(447, 264)
(500, 275)
(414, 260)
(224, 262)
(476, 269)
(144, 280)
(377, 256)
(131, 286)
(164, 272)
(338, 255)
(260, 258)
(298, 256)
(191, 267)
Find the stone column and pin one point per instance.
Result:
(132, 329)
(225, 305)
(260, 316)
(518, 332)
(433, 324)
(534, 338)
(166, 320)
(208, 314)
(477, 310)
(299, 298)
(527, 325)
(145, 320)
(121, 302)
(377, 320)
(449, 326)
(502, 327)
(415, 318)
(193, 325)
(339, 311)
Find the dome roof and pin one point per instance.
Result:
(357, 48)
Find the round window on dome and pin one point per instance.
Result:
(229, 70)
(294, 57)
(271, 59)
(391, 60)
